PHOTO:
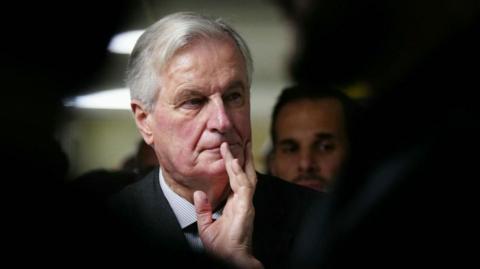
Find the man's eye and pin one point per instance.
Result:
(324, 147)
(288, 149)
(234, 98)
(193, 103)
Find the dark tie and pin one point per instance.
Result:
(193, 238)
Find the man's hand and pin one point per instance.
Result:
(230, 236)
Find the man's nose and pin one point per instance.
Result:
(307, 162)
(219, 120)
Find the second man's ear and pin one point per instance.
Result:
(141, 116)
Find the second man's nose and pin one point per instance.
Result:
(307, 161)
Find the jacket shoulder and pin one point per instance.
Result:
(280, 187)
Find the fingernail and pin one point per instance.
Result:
(201, 195)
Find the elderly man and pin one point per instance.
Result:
(190, 79)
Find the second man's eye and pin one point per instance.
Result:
(324, 146)
(288, 148)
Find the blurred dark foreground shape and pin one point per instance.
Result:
(54, 50)
(408, 197)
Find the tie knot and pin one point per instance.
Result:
(192, 228)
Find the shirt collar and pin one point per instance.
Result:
(183, 209)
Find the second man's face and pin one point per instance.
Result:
(204, 101)
(311, 144)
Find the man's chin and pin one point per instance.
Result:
(312, 184)
(215, 167)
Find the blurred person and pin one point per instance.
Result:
(407, 196)
(310, 131)
(99, 184)
(142, 161)
(190, 78)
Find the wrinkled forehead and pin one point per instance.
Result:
(163, 56)
(207, 62)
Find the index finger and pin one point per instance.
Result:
(237, 176)
(249, 164)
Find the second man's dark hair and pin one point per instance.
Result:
(351, 109)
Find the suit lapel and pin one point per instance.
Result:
(161, 225)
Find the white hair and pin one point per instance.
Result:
(160, 42)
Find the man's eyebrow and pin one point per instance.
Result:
(287, 141)
(235, 85)
(324, 136)
(187, 93)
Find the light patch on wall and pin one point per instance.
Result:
(109, 99)
(123, 43)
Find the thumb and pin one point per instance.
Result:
(203, 208)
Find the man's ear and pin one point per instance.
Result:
(141, 115)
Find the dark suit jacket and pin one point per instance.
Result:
(149, 221)
(408, 196)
